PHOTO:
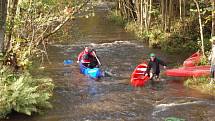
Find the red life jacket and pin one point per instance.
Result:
(85, 57)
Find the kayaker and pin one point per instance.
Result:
(154, 66)
(87, 58)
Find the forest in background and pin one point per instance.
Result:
(172, 25)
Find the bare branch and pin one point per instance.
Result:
(65, 21)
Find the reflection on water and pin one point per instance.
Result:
(92, 88)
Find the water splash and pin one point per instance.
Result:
(164, 107)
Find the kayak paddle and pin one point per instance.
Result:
(67, 62)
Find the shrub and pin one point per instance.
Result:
(134, 27)
(201, 84)
(115, 17)
(23, 93)
(156, 37)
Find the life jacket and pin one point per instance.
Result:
(86, 57)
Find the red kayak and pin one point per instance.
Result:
(195, 71)
(138, 78)
(193, 60)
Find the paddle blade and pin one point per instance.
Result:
(68, 62)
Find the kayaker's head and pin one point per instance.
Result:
(152, 56)
(87, 49)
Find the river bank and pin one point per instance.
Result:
(184, 37)
(201, 84)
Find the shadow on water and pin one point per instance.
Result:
(78, 98)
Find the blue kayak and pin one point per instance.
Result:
(93, 73)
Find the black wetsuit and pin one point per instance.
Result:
(155, 66)
(93, 62)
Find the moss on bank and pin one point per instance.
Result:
(202, 84)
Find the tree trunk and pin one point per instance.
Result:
(120, 7)
(180, 9)
(146, 15)
(184, 9)
(166, 9)
(11, 22)
(150, 11)
(169, 16)
(132, 9)
(184, 14)
(200, 27)
(163, 13)
(125, 12)
(141, 16)
(127, 9)
(137, 4)
(3, 14)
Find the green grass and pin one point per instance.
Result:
(201, 84)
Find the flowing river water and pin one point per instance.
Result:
(78, 98)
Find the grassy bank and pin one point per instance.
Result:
(202, 84)
(184, 37)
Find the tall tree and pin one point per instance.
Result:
(132, 5)
(3, 14)
(180, 9)
(12, 8)
(163, 12)
(170, 16)
(150, 12)
(146, 15)
(138, 10)
(32, 22)
(141, 15)
(200, 27)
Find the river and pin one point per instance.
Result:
(78, 98)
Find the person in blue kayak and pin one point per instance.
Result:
(153, 68)
(88, 58)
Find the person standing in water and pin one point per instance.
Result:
(153, 68)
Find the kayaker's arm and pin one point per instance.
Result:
(80, 56)
(162, 63)
(149, 66)
(94, 54)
